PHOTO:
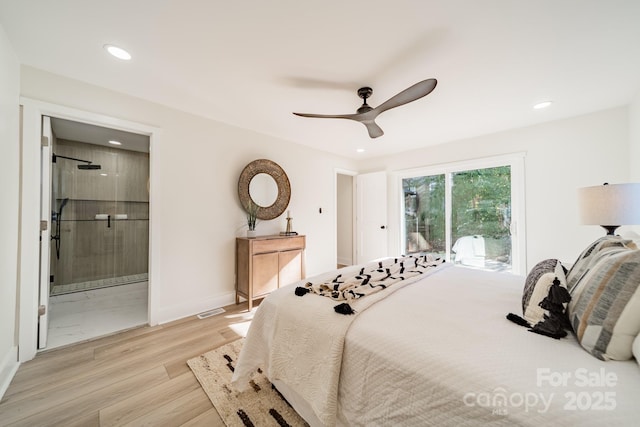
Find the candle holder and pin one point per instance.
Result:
(289, 231)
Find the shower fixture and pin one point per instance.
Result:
(58, 219)
(89, 165)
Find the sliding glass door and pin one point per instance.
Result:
(465, 213)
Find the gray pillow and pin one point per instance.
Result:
(590, 255)
(605, 307)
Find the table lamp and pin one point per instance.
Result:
(610, 205)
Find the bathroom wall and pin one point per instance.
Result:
(104, 227)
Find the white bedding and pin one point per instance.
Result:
(440, 352)
(298, 340)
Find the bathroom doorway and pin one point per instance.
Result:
(99, 238)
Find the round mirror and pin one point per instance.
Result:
(263, 190)
(272, 201)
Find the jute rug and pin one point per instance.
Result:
(261, 405)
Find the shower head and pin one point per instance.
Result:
(89, 167)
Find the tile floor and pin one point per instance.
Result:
(84, 315)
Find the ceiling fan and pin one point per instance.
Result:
(367, 114)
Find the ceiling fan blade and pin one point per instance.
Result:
(329, 116)
(410, 94)
(373, 129)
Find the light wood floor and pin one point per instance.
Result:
(134, 378)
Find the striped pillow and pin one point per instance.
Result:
(605, 304)
(591, 254)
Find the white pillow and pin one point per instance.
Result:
(636, 349)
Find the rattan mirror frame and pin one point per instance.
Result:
(274, 170)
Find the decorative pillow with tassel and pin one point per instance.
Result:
(544, 300)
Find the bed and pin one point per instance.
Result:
(436, 351)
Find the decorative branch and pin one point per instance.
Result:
(252, 215)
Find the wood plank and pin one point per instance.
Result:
(71, 387)
(178, 366)
(59, 359)
(61, 409)
(171, 331)
(211, 418)
(136, 406)
(85, 374)
(176, 412)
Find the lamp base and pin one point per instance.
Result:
(611, 229)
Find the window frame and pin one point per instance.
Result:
(518, 215)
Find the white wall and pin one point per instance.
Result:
(561, 156)
(9, 195)
(198, 163)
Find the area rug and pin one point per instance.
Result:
(261, 405)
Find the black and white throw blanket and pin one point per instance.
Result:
(370, 279)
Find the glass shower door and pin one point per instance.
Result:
(102, 218)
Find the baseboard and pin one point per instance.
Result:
(8, 368)
(191, 308)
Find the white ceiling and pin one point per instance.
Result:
(98, 135)
(252, 63)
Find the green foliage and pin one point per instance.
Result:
(424, 209)
(481, 205)
(481, 202)
(252, 215)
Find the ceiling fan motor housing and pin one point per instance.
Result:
(364, 93)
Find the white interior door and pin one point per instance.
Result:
(45, 231)
(371, 216)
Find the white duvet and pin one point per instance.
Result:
(440, 352)
(299, 340)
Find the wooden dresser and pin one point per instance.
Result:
(265, 263)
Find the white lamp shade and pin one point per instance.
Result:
(614, 204)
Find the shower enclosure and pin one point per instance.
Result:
(100, 217)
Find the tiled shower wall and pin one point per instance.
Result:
(92, 248)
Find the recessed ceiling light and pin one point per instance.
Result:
(360, 150)
(113, 142)
(118, 52)
(103, 174)
(541, 105)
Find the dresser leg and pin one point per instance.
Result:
(250, 302)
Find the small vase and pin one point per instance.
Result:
(251, 234)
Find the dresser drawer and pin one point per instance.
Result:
(278, 245)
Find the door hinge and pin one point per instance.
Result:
(44, 225)
(45, 141)
(42, 310)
